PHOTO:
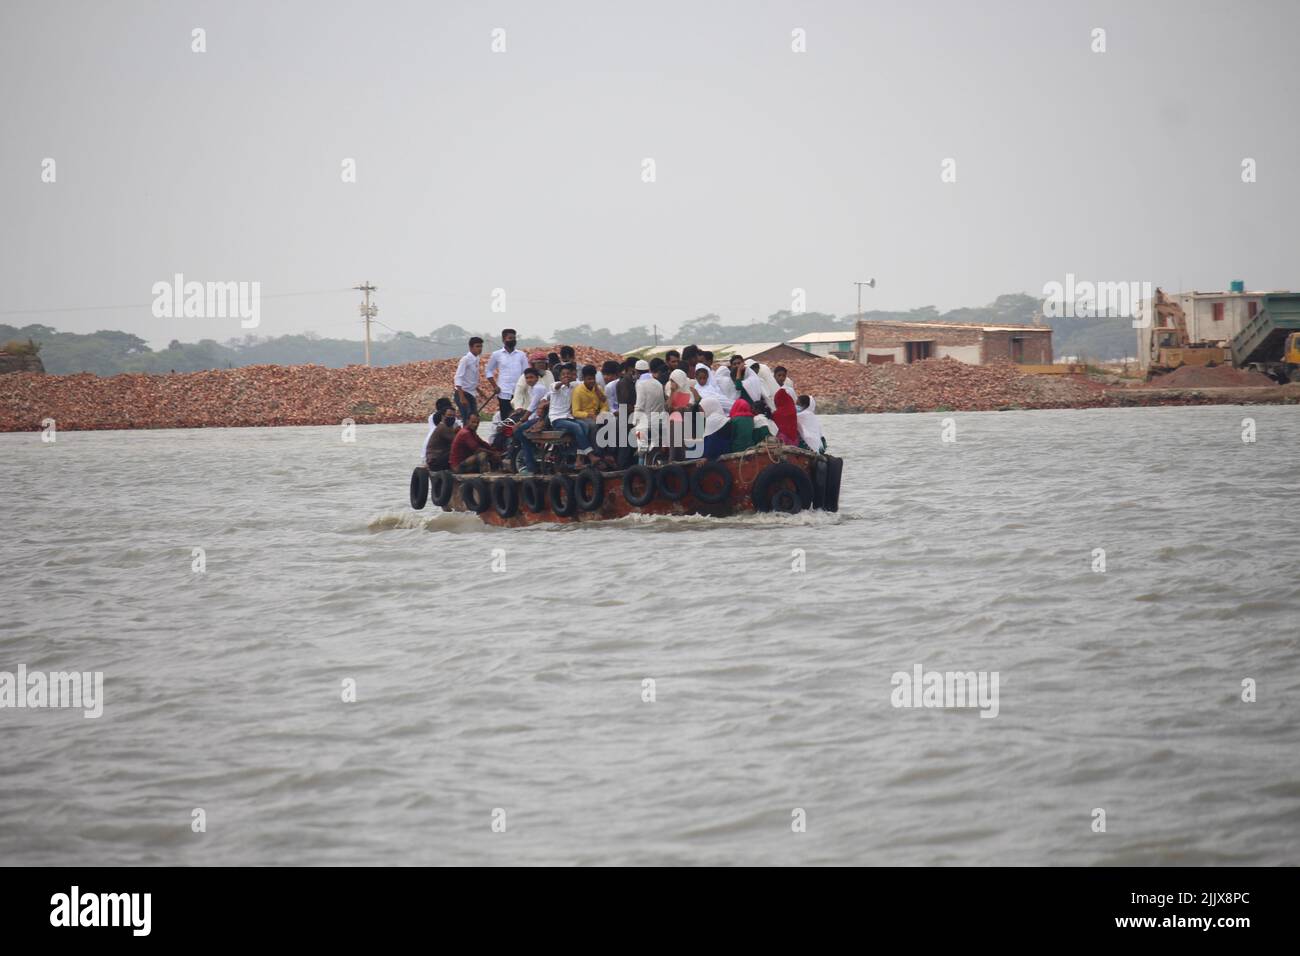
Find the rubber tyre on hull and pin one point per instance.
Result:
(534, 495)
(771, 477)
(701, 472)
(505, 497)
(673, 482)
(419, 488)
(476, 494)
(646, 495)
(834, 471)
(563, 497)
(589, 487)
(820, 469)
(441, 484)
(785, 501)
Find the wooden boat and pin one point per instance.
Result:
(767, 477)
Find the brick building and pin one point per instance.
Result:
(906, 342)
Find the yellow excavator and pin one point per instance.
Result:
(1174, 347)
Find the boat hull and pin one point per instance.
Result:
(744, 467)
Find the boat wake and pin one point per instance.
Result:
(460, 522)
(455, 522)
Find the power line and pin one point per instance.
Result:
(149, 305)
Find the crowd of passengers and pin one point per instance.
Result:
(739, 404)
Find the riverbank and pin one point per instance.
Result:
(266, 395)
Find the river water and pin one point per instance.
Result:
(520, 696)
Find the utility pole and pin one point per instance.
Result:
(869, 282)
(368, 311)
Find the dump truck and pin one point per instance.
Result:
(1270, 341)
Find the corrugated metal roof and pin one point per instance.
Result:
(962, 325)
(744, 348)
(845, 335)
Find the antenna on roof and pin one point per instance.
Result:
(869, 282)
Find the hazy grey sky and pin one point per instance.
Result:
(523, 170)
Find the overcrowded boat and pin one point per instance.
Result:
(636, 437)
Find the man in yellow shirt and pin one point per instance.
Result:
(589, 402)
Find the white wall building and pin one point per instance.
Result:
(1213, 318)
(839, 344)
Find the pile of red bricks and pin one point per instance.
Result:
(1218, 376)
(935, 384)
(253, 395)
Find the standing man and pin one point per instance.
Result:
(504, 369)
(466, 381)
(625, 393)
(648, 416)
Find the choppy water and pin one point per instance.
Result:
(523, 690)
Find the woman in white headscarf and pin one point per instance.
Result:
(677, 393)
(677, 399)
(810, 426)
(752, 385)
(717, 433)
(768, 382)
(721, 380)
(704, 388)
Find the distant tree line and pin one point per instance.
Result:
(111, 352)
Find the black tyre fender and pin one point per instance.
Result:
(644, 497)
(441, 485)
(476, 494)
(834, 471)
(419, 488)
(505, 497)
(819, 483)
(771, 477)
(562, 496)
(589, 487)
(698, 475)
(673, 482)
(534, 495)
(785, 501)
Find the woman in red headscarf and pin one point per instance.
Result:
(786, 418)
(743, 432)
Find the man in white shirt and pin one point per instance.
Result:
(504, 369)
(537, 405)
(649, 416)
(523, 390)
(465, 382)
(560, 412)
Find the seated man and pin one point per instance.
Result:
(560, 412)
(437, 448)
(524, 387)
(589, 403)
(469, 453)
(535, 408)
